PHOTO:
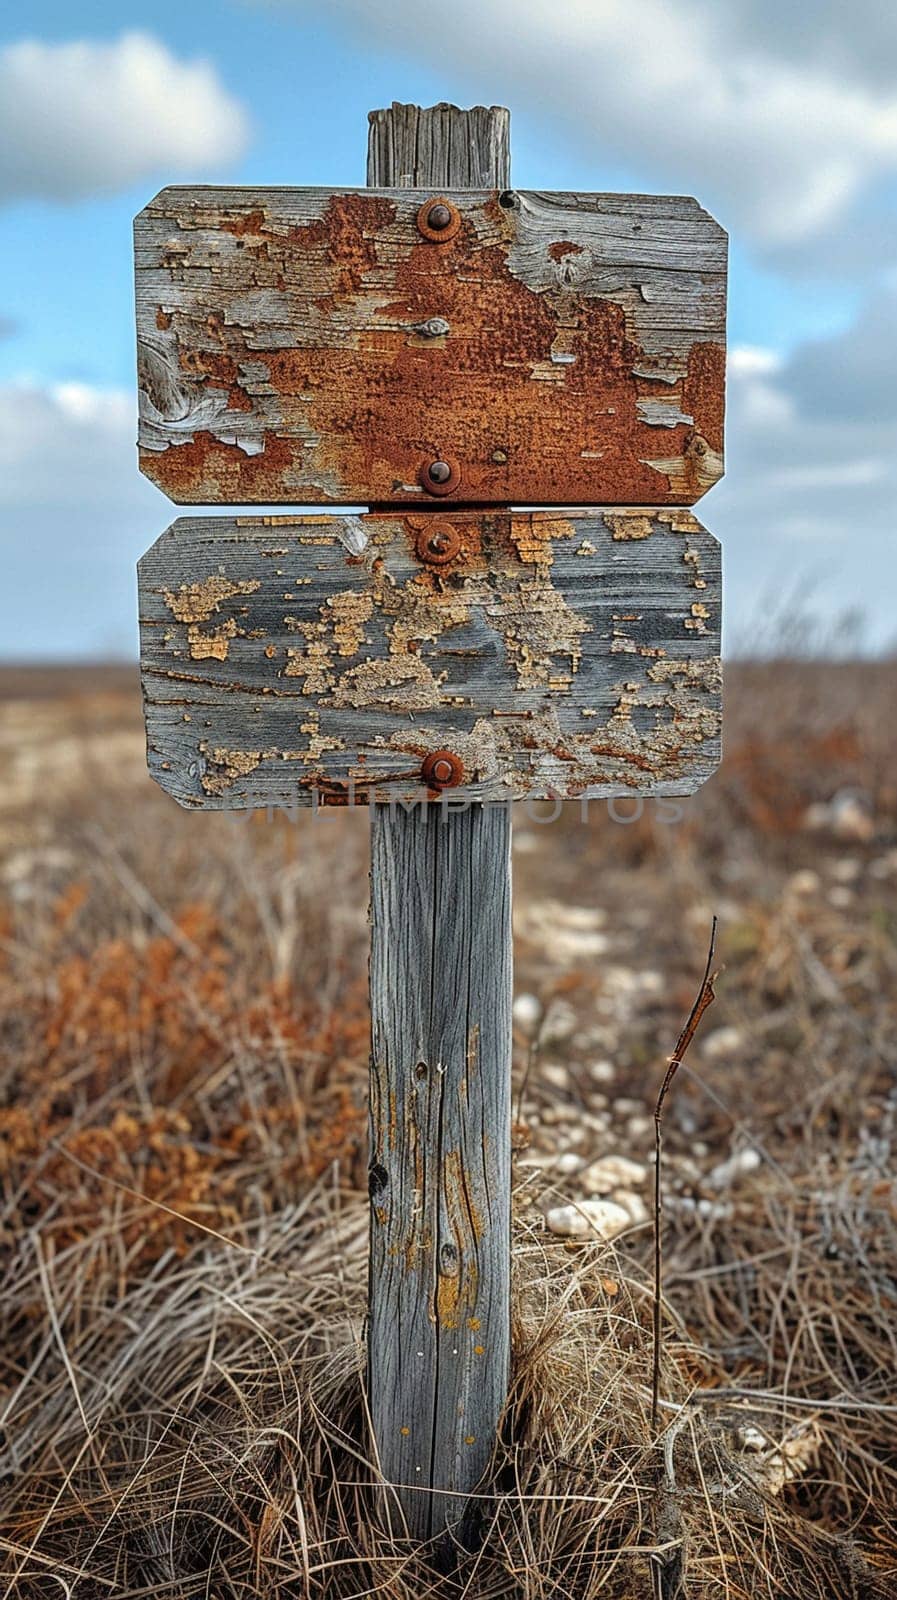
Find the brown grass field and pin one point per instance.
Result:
(184, 1032)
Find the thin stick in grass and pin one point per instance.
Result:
(705, 998)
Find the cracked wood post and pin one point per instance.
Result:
(440, 1161)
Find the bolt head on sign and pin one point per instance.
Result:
(308, 346)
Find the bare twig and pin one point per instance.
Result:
(705, 998)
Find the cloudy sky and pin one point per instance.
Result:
(780, 118)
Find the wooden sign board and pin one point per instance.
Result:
(348, 659)
(307, 346)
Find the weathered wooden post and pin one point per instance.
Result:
(441, 987)
(437, 346)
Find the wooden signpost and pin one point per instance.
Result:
(435, 346)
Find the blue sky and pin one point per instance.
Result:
(788, 136)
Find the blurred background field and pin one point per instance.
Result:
(184, 1027)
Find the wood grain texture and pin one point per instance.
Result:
(292, 660)
(439, 1330)
(410, 147)
(308, 346)
(441, 958)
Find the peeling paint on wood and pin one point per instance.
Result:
(321, 660)
(302, 346)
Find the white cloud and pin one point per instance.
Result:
(706, 96)
(753, 360)
(836, 475)
(860, 39)
(849, 377)
(74, 517)
(85, 118)
(52, 436)
(806, 509)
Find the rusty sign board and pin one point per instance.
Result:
(398, 346)
(348, 659)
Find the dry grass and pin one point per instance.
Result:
(182, 1148)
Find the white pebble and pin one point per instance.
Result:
(566, 933)
(847, 870)
(602, 1071)
(581, 916)
(685, 1168)
(527, 1010)
(556, 1073)
(596, 1218)
(632, 1204)
(816, 816)
(652, 983)
(569, 945)
(851, 818)
(612, 1172)
(723, 1042)
(738, 1166)
(568, 1161)
(847, 815)
(804, 882)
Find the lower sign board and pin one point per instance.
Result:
(295, 660)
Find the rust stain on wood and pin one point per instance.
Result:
(306, 345)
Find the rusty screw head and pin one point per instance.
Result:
(438, 545)
(440, 476)
(438, 220)
(439, 217)
(442, 770)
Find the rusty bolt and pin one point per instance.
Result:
(439, 217)
(442, 770)
(440, 476)
(433, 328)
(438, 545)
(438, 220)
